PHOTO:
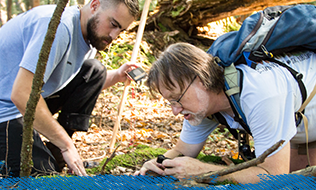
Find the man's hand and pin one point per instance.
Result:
(73, 160)
(119, 75)
(151, 165)
(184, 167)
(121, 72)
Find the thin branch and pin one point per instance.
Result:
(309, 171)
(207, 177)
(108, 160)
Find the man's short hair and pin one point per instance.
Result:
(132, 5)
(181, 62)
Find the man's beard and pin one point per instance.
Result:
(197, 118)
(203, 103)
(94, 40)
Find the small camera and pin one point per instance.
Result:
(137, 74)
(161, 158)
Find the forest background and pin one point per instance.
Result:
(148, 122)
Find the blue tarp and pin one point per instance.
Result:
(286, 181)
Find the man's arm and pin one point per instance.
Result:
(183, 167)
(44, 121)
(118, 75)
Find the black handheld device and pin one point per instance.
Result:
(161, 158)
(137, 74)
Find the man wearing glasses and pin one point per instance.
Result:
(193, 83)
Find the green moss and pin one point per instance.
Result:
(129, 160)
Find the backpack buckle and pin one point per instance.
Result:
(266, 52)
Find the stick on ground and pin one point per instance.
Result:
(108, 160)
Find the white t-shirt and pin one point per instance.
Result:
(269, 98)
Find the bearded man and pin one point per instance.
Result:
(72, 80)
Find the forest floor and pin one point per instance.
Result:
(144, 121)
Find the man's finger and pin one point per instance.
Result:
(79, 169)
(136, 173)
(168, 163)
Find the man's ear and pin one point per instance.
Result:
(94, 6)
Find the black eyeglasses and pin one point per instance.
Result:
(176, 103)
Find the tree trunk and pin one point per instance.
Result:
(27, 142)
(186, 15)
(9, 9)
(1, 23)
(36, 3)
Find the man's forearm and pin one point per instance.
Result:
(48, 126)
(44, 121)
(249, 175)
(111, 78)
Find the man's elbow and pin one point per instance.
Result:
(17, 99)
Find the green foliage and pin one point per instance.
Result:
(162, 27)
(150, 58)
(116, 55)
(231, 24)
(312, 3)
(152, 6)
(177, 12)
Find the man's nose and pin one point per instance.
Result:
(176, 110)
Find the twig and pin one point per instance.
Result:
(108, 160)
(139, 36)
(227, 161)
(309, 171)
(205, 178)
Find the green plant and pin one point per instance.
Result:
(116, 55)
(231, 24)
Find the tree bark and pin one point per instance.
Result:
(1, 13)
(309, 171)
(188, 14)
(9, 9)
(27, 142)
(36, 3)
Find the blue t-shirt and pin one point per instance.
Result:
(21, 40)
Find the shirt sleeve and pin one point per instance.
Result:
(197, 134)
(34, 35)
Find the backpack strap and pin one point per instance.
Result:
(218, 117)
(232, 89)
(305, 120)
(298, 76)
(244, 149)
